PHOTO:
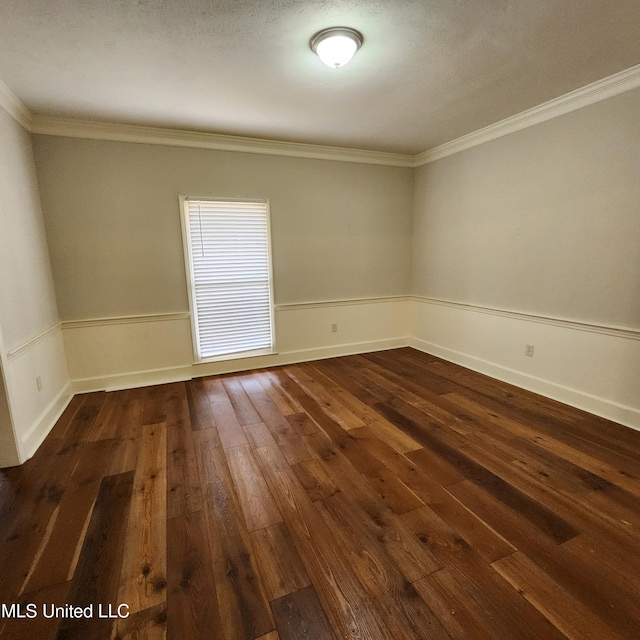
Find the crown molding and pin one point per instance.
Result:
(590, 94)
(73, 128)
(70, 127)
(14, 107)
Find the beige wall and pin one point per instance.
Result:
(27, 297)
(545, 220)
(339, 230)
(522, 234)
(30, 338)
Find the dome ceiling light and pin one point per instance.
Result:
(336, 46)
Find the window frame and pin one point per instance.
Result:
(190, 280)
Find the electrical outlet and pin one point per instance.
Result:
(528, 350)
(334, 327)
(39, 383)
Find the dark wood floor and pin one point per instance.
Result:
(386, 496)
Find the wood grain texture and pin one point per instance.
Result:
(299, 616)
(245, 611)
(148, 624)
(42, 628)
(191, 602)
(183, 482)
(564, 611)
(279, 563)
(383, 496)
(257, 505)
(143, 579)
(95, 581)
(227, 422)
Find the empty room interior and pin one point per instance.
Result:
(295, 345)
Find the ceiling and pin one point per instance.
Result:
(429, 71)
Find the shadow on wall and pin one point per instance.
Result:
(8, 450)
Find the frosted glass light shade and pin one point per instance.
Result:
(336, 46)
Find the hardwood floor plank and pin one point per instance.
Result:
(143, 579)
(491, 387)
(256, 502)
(95, 580)
(615, 554)
(486, 540)
(258, 435)
(372, 511)
(596, 506)
(132, 414)
(383, 496)
(299, 615)
(192, 608)
(435, 466)
(16, 559)
(302, 424)
(337, 370)
(184, 493)
(460, 615)
(229, 428)
(625, 475)
(564, 611)
(280, 565)
(386, 431)
(124, 453)
(245, 412)
(392, 490)
(60, 427)
(270, 383)
(595, 586)
(404, 612)
(512, 615)
(392, 387)
(107, 421)
(40, 627)
(350, 611)
(81, 427)
(148, 624)
(245, 612)
(35, 491)
(154, 405)
(56, 559)
(385, 532)
(200, 414)
(285, 436)
(543, 518)
(330, 404)
(316, 480)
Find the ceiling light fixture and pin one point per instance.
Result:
(336, 46)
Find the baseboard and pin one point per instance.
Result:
(628, 416)
(167, 375)
(36, 434)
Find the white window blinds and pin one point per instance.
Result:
(229, 263)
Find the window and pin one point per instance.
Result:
(228, 256)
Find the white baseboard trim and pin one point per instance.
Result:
(623, 414)
(40, 429)
(133, 379)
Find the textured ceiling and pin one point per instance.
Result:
(429, 70)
